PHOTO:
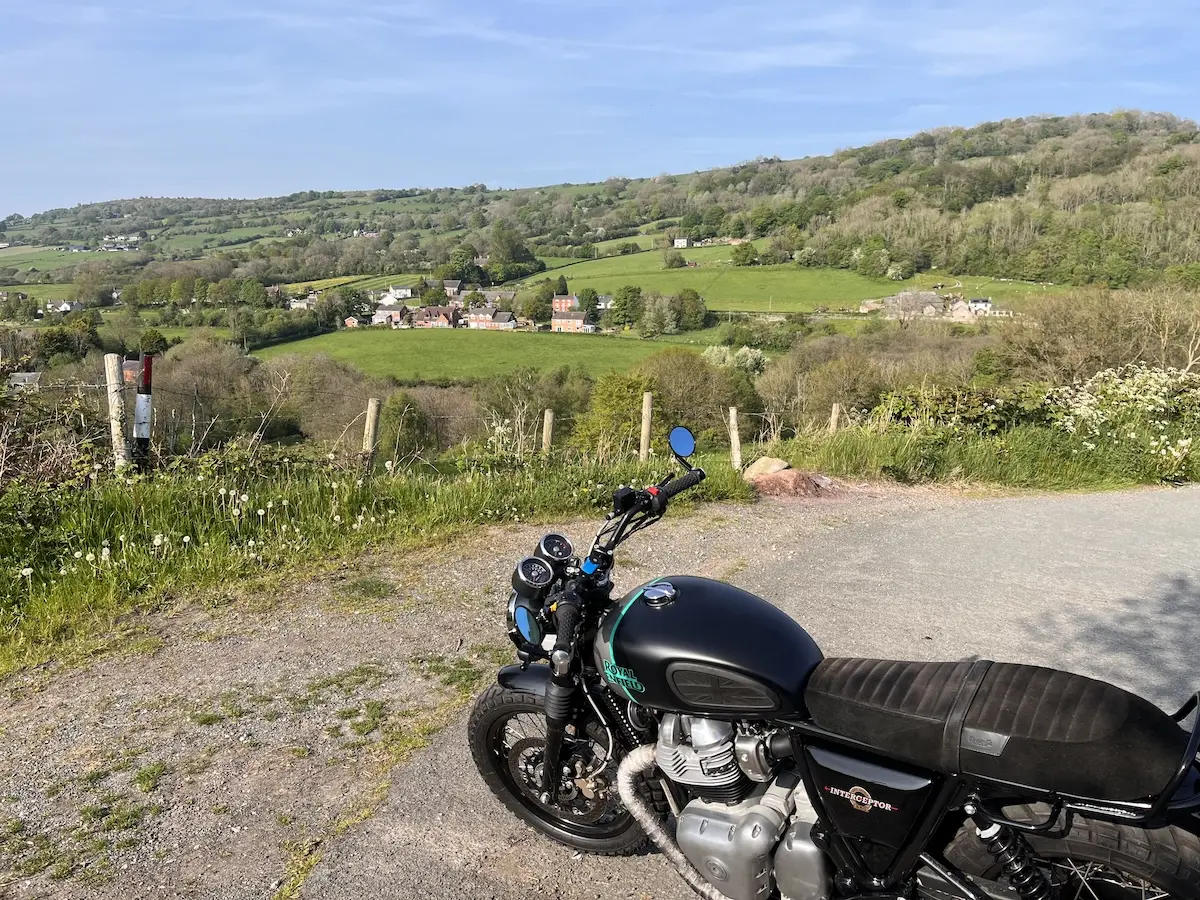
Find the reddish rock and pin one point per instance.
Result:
(790, 483)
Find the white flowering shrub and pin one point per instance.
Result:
(1149, 415)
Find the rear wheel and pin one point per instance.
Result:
(507, 734)
(1098, 860)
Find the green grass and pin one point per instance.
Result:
(460, 354)
(47, 259)
(1024, 457)
(42, 291)
(187, 533)
(786, 288)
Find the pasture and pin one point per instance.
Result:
(463, 355)
(780, 289)
(47, 259)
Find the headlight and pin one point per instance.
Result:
(523, 625)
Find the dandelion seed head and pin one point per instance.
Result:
(245, 497)
(26, 572)
(158, 540)
(91, 557)
(79, 554)
(187, 539)
(236, 512)
(261, 513)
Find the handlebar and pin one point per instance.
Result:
(660, 495)
(567, 616)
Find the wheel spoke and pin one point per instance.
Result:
(1091, 875)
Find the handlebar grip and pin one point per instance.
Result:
(566, 621)
(681, 484)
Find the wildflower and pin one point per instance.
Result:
(358, 483)
(334, 485)
(187, 539)
(337, 519)
(158, 540)
(283, 502)
(389, 465)
(270, 504)
(105, 553)
(245, 497)
(104, 543)
(26, 572)
(221, 492)
(199, 477)
(96, 466)
(122, 539)
(250, 543)
(261, 513)
(62, 571)
(236, 512)
(91, 557)
(79, 554)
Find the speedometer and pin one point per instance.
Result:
(532, 577)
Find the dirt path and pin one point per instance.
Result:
(296, 750)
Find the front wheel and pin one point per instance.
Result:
(1098, 860)
(507, 734)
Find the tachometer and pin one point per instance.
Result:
(555, 548)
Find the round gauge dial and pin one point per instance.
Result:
(532, 576)
(555, 547)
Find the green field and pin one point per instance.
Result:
(46, 259)
(786, 288)
(42, 291)
(463, 355)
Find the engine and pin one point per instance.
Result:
(749, 829)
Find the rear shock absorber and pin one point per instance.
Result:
(1010, 849)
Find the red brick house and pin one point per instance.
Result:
(564, 303)
(436, 317)
(568, 321)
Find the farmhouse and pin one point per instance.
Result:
(681, 243)
(481, 317)
(396, 292)
(569, 322)
(393, 315)
(980, 305)
(436, 317)
(355, 322)
(564, 303)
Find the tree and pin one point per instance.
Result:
(589, 300)
(690, 310)
(152, 341)
(200, 290)
(405, 429)
(538, 303)
(659, 318)
(627, 306)
(673, 259)
(252, 293)
(745, 254)
(560, 287)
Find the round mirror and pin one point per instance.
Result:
(683, 444)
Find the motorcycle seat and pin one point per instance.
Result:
(1026, 725)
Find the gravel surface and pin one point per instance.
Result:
(289, 738)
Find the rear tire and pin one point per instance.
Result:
(486, 728)
(1168, 859)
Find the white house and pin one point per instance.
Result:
(682, 243)
(981, 306)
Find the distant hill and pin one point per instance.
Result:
(1105, 198)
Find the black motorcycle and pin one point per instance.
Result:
(701, 717)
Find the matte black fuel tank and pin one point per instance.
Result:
(703, 647)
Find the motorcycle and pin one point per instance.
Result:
(700, 717)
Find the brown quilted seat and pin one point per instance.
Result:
(1022, 724)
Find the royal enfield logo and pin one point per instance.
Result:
(619, 675)
(860, 799)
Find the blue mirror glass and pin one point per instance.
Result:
(527, 625)
(683, 444)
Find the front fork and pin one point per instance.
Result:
(560, 696)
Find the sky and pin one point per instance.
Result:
(248, 98)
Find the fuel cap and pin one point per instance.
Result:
(661, 594)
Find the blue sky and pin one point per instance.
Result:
(245, 98)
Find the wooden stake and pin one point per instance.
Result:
(835, 417)
(115, 378)
(735, 440)
(647, 410)
(547, 431)
(371, 431)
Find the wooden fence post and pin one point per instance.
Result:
(735, 440)
(115, 378)
(371, 432)
(647, 410)
(547, 431)
(835, 417)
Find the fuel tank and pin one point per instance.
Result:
(699, 646)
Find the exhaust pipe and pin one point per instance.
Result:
(637, 762)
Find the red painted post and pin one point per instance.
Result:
(143, 413)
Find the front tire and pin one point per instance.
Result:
(1098, 859)
(609, 831)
